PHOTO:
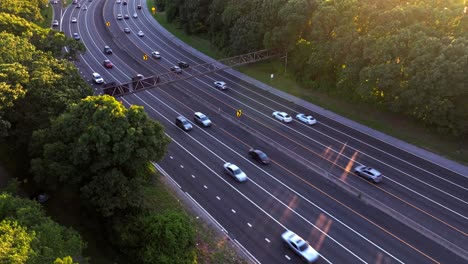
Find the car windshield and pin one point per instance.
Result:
(303, 246)
(287, 116)
(185, 122)
(203, 118)
(262, 155)
(237, 171)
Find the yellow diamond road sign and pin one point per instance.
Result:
(239, 113)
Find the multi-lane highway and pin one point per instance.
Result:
(418, 214)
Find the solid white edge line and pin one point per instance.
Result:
(239, 192)
(321, 231)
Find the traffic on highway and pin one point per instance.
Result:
(286, 181)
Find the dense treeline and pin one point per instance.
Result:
(409, 56)
(92, 148)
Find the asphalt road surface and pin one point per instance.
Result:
(418, 214)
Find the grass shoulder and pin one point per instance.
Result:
(201, 44)
(48, 16)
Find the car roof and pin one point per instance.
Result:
(233, 166)
(199, 114)
(372, 170)
(95, 74)
(182, 118)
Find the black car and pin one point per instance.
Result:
(259, 156)
(107, 50)
(139, 6)
(183, 64)
(124, 2)
(126, 16)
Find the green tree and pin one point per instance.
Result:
(65, 260)
(101, 148)
(169, 239)
(49, 240)
(157, 237)
(15, 242)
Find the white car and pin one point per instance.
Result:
(156, 54)
(306, 119)
(220, 85)
(369, 173)
(97, 78)
(135, 15)
(300, 246)
(202, 119)
(55, 23)
(119, 17)
(282, 116)
(119, 1)
(234, 171)
(85, 8)
(140, 33)
(74, 20)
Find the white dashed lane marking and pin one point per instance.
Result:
(249, 224)
(232, 210)
(267, 240)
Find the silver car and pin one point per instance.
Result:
(282, 116)
(306, 119)
(97, 78)
(235, 172)
(202, 119)
(369, 173)
(220, 85)
(300, 246)
(156, 54)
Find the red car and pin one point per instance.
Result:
(108, 64)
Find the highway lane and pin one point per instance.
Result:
(419, 192)
(90, 24)
(163, 61)
(352, 240)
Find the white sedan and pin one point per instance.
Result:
(300, 246)
(234, 171)
(306, 119)
(97, 78)
(140, 33)
(282, 116)
(74, 20)
(220, 85)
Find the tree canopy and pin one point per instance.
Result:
(102, 148)
(409, 57)
(28, 236)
